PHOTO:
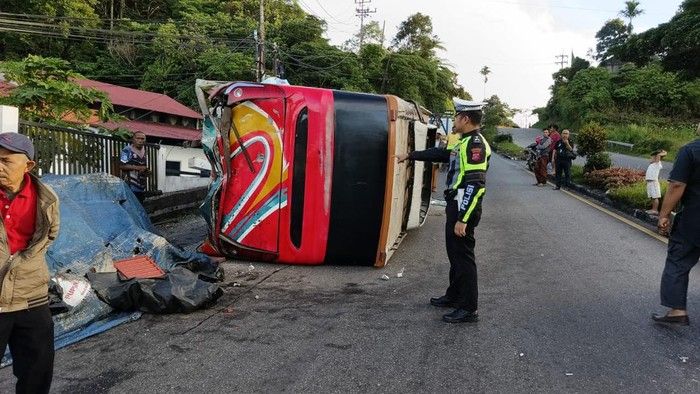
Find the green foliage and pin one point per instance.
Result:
(503, 138)
(589, 90)
(648, 135)
(510, 149)
(47, 91)
(630, 12)
(597, 161)
(649, 89)
(577, 175)
(651, 144)
(371, 34)
(164, 45)
(635, 195)
(611, 35)
(416, 35)
(653, 78)
(591, 139)
(497, 113)
(414, 77)
(490, 133)
(676, 43)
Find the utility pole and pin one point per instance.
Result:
(362, 12)
(260, 69)
(563, 59)
(383, 27)
(111, 22)
(278, 67)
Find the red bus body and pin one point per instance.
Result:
(307, 175)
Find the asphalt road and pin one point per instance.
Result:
(525, 137)
(565, 297)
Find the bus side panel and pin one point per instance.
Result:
(359, 178)
(304, 241)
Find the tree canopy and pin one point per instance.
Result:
(164, 45)
(47, 91)
(653, 74)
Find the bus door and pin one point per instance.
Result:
(255, 194)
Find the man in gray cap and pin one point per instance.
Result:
(466, 184)
(29, 224)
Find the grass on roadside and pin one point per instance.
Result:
(635, 195)
(509, 149)
(577, 174)
(647, 138)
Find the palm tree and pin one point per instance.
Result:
(485, 72)
(631, 11)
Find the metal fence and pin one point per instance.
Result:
(66, 151)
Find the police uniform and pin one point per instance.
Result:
(465, 187)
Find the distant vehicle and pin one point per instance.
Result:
(308, 175)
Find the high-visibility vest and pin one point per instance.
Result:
(470, 171)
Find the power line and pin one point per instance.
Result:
(127, 33)
(333, 17)
(312, 67)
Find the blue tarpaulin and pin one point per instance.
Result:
(102, 221)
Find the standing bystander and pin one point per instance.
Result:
(30, 219)
(684, 241)
(542, 150)
(133, 165)
(652, 178)
(562, 158)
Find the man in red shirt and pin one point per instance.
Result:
(28, 225)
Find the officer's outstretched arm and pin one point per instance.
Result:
(435, 155)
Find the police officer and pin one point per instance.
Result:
(466, 184)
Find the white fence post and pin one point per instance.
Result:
(162, 155)
(9, 119)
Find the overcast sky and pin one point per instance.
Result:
(517, 39)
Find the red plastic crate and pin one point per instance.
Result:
(140, 267)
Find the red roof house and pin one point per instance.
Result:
(153, 114)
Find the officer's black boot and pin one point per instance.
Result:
(442, 302)
(461, 316)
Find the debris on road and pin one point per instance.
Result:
(569, 374)
(400, 273)
(251, 267)
(440, 203)
(684, 359)
(384, 277)
(257, 297)
(138, 267)
(179, 291)
(522, 354)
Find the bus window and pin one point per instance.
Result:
(299, 176)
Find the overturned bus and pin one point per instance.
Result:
(308, 176)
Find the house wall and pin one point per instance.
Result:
(171, 183)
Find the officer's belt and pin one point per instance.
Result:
(479, 176)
